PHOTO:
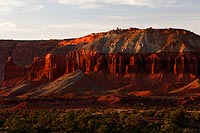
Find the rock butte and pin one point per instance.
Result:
(157, 60)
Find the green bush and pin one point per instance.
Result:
(100, 121)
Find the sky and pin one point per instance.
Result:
(61, 19)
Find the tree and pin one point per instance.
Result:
(179, 117)
(18, 124)
(170, 127)
(103, 129)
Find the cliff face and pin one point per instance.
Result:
(122, 63)
(5, 51)
(23, 52)
(117, 52)
(11, 70)
(52, 66)
(48, 68)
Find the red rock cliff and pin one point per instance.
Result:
(12, 71)
(117, 52)
(133, 63)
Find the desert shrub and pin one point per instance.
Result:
(188, 130)
(100, 121)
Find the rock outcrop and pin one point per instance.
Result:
(119, 53)
(48, 68)
(12, 70)
(23, 52)
(133, 63)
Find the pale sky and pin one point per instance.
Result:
(60, 19)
